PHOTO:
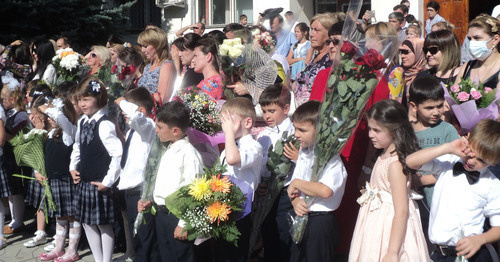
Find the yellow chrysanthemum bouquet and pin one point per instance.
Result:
(210, 205)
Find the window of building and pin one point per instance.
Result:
(222, 12)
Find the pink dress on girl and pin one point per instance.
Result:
(373, 226)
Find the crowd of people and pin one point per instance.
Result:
(430, 187)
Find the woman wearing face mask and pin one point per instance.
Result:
(484, 35)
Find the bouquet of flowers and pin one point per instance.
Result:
(231, 47)
(28, 151)
(471, 102)
(67, 63)
(232, 65)
(263, 39)
(351, 83)
(209, 205)
(205, 113)
(280, 167)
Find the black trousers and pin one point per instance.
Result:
(228, 252)
(276, 229)
(171, 249)
(482, 255)
(144, 242)
(321, 238)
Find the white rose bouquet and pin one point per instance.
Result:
(67, 63)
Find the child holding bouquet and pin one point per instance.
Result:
(178, 166)
(62, 119)
(95, 166)
(388, 227)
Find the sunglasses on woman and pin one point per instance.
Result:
(334, 41)
(433, 50)
(404, 51)
(93, 55)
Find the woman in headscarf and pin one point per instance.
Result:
(412, 60)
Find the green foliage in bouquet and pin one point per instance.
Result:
(208, 205)
(468, 90)
(29, 151)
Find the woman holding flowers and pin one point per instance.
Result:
(206, 61)
(320, 24)
(484, 35)
(159, 75)
(97, 58)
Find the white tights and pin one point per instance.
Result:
(101, 241)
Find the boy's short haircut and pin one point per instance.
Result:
(174, 114)
(241, 106)
(275, 94)
(425, 88)
(66, 89)
(243, 16)
(141, 97)
(307, 112)
(485, 140)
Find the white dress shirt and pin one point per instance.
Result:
(107, 134)
(251, 161)
(334, 176)
(179, 165)
(132, 175)
(268, 138)
(68, 129)
(458, 206)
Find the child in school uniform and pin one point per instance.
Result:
(4, 180)
(17, 120)
(243, 156)
(136, 105)
(465, 194)
(95, 167)
(60, 115)
(275, 104)
(321, 235)
(179, 165)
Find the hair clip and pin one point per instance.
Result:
(37, 93)
(494, 28)
(95, 87)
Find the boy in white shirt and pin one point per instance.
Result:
(465, 194)
(243, 156)
(275, 104)
(321, 235)
(179, 165)
(136, 105)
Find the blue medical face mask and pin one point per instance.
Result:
(479, 50)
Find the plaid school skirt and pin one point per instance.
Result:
(5, 190)
(93, 207)
(35, 193)
(63, 191)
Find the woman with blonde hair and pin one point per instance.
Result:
(320, 24)
(115, 50)
(159, 75)
(484, 35)
(97, 58)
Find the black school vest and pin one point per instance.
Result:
(57, 158)
(94, 158)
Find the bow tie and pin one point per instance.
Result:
(88, 131)
(472, 176)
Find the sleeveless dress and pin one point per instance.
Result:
(149, 79)
(299, 52)
(373, 226)
(492, 81)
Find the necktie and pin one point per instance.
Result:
(88, 131)
(125, 149)
(472, 176)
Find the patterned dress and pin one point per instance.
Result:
(212, 86)
(373, 226)
(305, 79)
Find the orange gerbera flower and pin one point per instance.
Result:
(65, 53)
(220, 185)
(218, 211)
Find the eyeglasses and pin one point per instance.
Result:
(93, 55)
(404, 51)
(433, 50)
(335, 41)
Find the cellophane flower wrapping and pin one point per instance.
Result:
(209, 205)
(355, 73)
(29, 151)
(205, 112)
(68, 64)
(280, 167)
(471, 102)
